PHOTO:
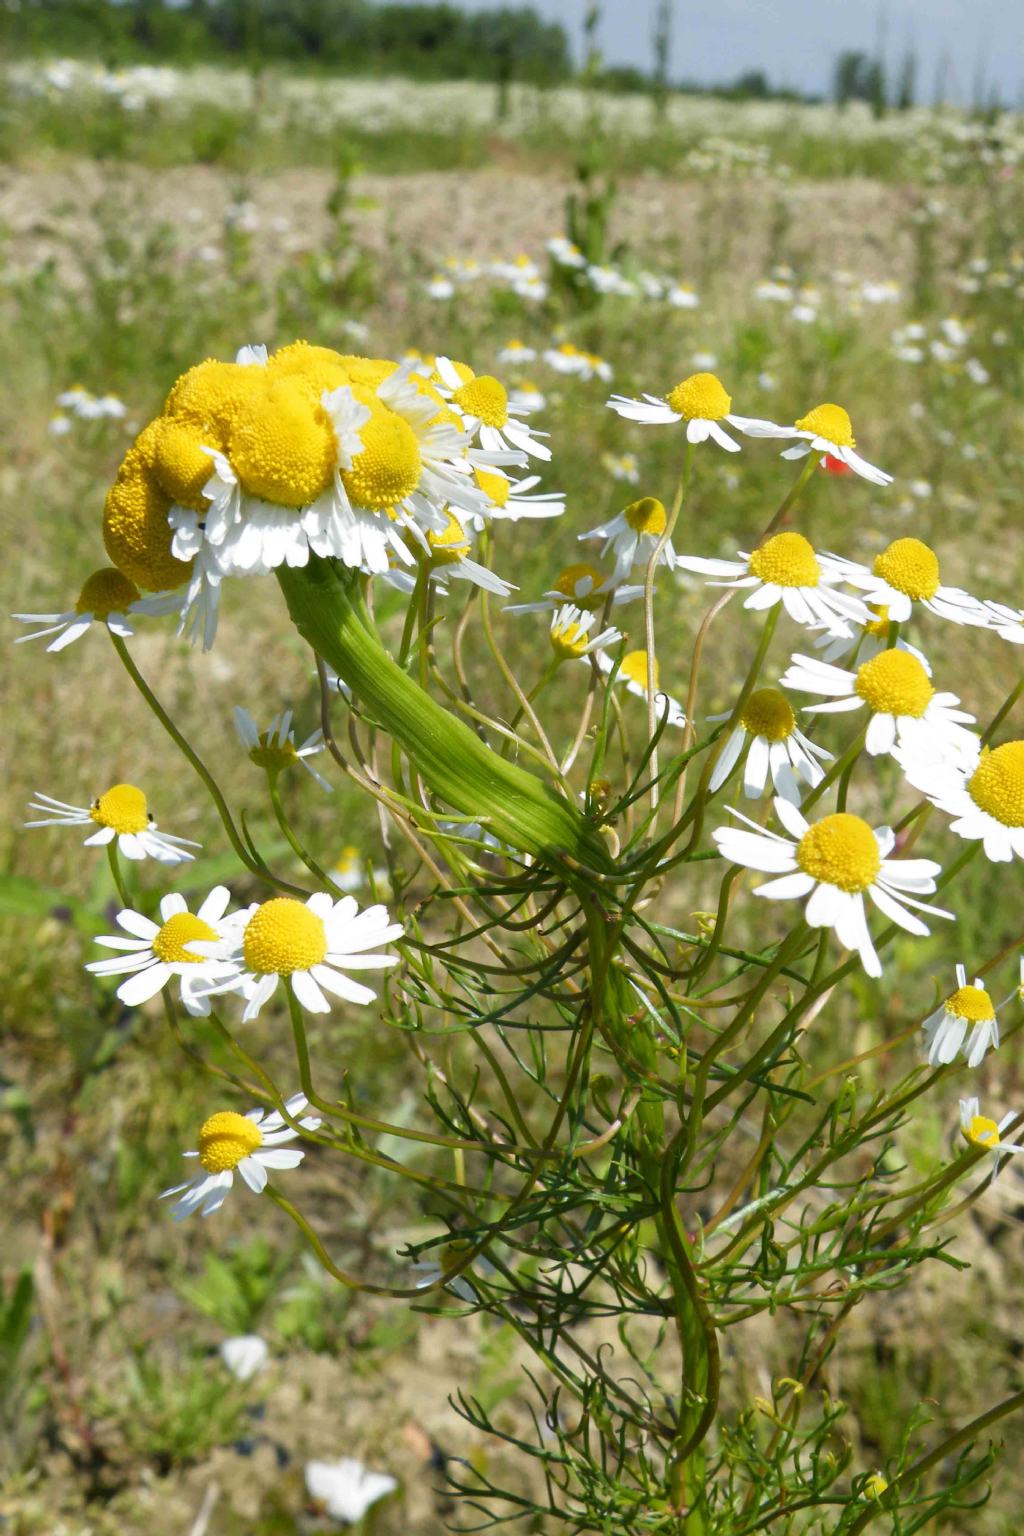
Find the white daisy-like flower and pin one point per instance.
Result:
(786, 569)
(866, 640)
(447, 554)
(482, 404)
(979, 1131)
(510, 500)
(825, 430)
(107, 597)
(120, 812)
(439, 287)
(768, 731)
(526, 396)
(907, 713)
(349, 872)
(251, 1144)
(346, 1488)
(310, 945)
(969, 1008)
(621, 466)
(633, 673)
(565, 253)
(245, 1355)
(984, 795)
(154, 954)
(274, 749)
(517, 352)
(633, 534)
(570, 635)
(835, 863)
(585, 587)
(702, 402)
(905, 573)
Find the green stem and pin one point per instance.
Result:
(789, 501)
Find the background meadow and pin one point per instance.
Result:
(151, 216)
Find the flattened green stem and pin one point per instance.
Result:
(326, 607)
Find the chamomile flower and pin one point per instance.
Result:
(517, 352)
(349, 872)
(158, 953)
(826, 430)
(907, 713)
(633, 673)
(984, 795)
(700, 401)
(968, 1009)
(346, 1488)
(274, 749)
(482, 404)
(621, 466)
(835, 863)
(252, 1145)
(866, 640)
(107, 597)
(786, 569)
(632, 535)
(571, 639)
(120, 812)
(310, 945)
(448, 556)
(526, 396)
(585, 586)
(511, 500)
(907, 573)
(768, 731)
(979, 1131)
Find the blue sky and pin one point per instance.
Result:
(795, 41)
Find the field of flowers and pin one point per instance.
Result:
(209, 1377)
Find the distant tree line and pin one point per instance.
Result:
(437, 41)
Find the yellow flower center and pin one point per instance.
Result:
(840, 850)
(701, 397)
(451, 546)
(178, 461)
(313, 368)
(106, 592)
(283, 936)
(997, 784)
(123, 807)
(283, 448)
(567, 581)
(213, 396)
(970, 1003)
(878, 627)
(272, 758)
(909, 566)
(348, 859)
(388, 468)
(980, 1131)
(170, 943)
(497, 487)
(787, 560)
(225, 1139)
(830, 422)
(646, 516)
(634, 669)
(484, 397)
(894, 683)
(136, 533)
(769, 714)
(568, 640)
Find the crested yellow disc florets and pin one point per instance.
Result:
(566, 582)
(451, 545)
(634, 669)
(225, 1139)
(909, 566)
(283, 449)
(786, 560)
(105, 592)
(980, 1131)
(646, 516)
(840, 850)
(701, 397)
(136, 534)
(768, 713)
(894, 683)
(484, 397)
(971, 1003)
(214, 395)
(997, 784)
(496, 486)
(283, 936)
(830, 422)
(170, 944)
(123, 808)
(177, 460)
(388, 469)
(314, 369)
